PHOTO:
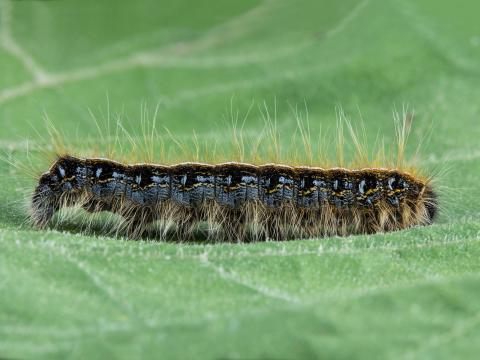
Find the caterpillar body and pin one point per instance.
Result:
(237, 201)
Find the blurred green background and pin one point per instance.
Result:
(411, 294)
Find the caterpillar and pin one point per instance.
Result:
(274, 201)
(237, 201)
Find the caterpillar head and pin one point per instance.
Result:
(45, 199)
(55, 189)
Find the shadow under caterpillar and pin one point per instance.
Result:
(237, 201)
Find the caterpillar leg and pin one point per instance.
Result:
(94, 206)
(137, 221)
(233, 226)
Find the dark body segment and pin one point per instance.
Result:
(235, 184)
(192, 184)
(69, 174)
(142, 191)
(160, 183)
(277, 185)
(368, 189)
(340, 190)
(105, 179)
(311, 188)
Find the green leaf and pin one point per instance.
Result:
(412, 294)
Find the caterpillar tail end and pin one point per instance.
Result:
(430, 200)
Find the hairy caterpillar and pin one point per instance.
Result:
(244, 201)
(240, 201)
